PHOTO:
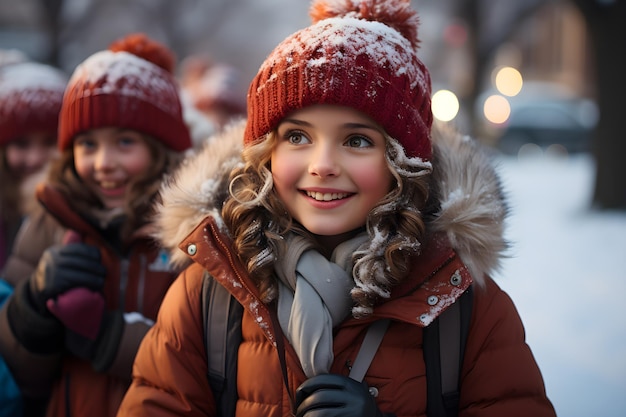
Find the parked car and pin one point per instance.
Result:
(547, 117)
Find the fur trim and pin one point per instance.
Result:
(197, 189)
(472, 204)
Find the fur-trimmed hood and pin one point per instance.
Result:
(471, 212)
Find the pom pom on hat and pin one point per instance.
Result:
(130, 85)
(219, 87)
(396, 14)
(30, 99)
(358, 53)
(144, 47)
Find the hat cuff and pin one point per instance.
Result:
(284, 92)
(108, 110)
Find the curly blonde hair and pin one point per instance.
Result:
(141, 195)
(257, 220)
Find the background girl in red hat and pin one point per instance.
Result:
(92, 279)
(30, 101)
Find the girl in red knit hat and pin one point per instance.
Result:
(30, 101)
(91, 278)
(344, 230)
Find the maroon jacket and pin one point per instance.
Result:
(136, 282)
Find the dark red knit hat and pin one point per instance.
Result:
(30, 99)
(219, 88)
(357, 53)
(130, 85)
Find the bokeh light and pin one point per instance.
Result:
(445, 105)
(509, 81)
(497, 109)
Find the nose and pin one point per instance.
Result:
(323, 162)
(104, 160)
(37, 157)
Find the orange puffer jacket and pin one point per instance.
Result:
(499, 377)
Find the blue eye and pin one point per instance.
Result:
(85, 143)
(129, 138)
(126, 141)
(21, 144)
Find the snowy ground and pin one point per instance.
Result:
(567, 276)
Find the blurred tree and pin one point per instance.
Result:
(78, 28)
(490, 23)
(606, 22)
(52, 8)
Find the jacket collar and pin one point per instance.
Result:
(437, 279)
(57, 205)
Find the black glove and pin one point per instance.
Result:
(37, 333)
(61, 268)
(331, 395)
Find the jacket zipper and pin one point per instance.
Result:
(141, 284)
(124, 263)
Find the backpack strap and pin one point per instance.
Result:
(369, 346)
(444, 348)
(221, 315)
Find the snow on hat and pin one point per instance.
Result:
(30, 99)
(357, 53)
(130, 85)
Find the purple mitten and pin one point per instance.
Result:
(81, 310)
(91, 332)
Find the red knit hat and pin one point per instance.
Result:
(30, 99)
(219, 88)
(358, 53)
(131, 85)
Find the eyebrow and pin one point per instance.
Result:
(345, 125)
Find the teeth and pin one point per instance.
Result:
(326, 196)
(109, 185)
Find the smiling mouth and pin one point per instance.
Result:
(326, 196)
(110, 185)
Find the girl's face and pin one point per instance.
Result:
(329, 168)
(30, 153)
(109, 159)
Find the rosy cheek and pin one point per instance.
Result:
(372, 178)
(280, 182)
(13, 162)
(284, 171)
(82, 167)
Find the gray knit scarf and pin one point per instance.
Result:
(313, 297)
